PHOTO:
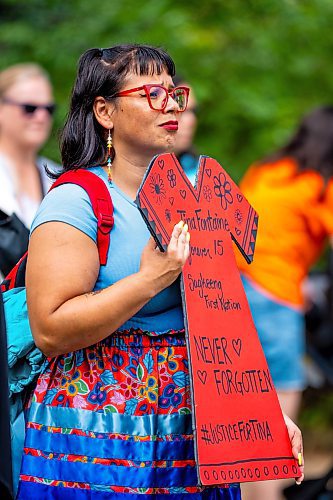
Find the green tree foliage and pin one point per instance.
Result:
(256, 65)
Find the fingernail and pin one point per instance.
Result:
(188, 237)
(180, 224)
(185, 228)
(300, 458)
(298, 483)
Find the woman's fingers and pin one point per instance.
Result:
(177, 231)
(296, 441)
(187, 246)
(179, 244)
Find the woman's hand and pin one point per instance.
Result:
(296, 441)
(163, 268)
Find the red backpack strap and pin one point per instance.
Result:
(101, 202)
(16, 277)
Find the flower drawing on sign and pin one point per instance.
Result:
(207, 192)
(238, 216)
(222, 189)
(167, 215)
(171, 176)
(157, 188)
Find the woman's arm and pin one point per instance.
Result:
(62, 269)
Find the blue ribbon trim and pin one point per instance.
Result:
(29, 490)
(76, 418)
(141, 477)
(148, 451)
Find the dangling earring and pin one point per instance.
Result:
(109, 161)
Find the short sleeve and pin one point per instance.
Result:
(70, 204)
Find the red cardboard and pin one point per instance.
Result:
(240, 433)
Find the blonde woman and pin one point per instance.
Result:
(26, 109)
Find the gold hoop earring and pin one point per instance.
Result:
(109, 161)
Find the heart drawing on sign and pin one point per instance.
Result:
(239, 197)
(238, 231)
(183, 193)
(161, 164)
(237, 346)
(171, 200)
(202, 376)
(209, 172)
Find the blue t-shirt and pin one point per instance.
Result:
(70, 203)
(189, 162)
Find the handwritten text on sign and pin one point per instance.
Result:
(239, 428)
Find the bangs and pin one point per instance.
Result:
(138, 59)
(149, 61)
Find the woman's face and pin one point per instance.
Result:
(26, 130)
(137, 129)
(187, 126)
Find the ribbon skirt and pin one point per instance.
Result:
(114, 419)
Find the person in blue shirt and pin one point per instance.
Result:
(111, 411)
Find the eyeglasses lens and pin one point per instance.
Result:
(180, 96)
(158, 97)
(30, 109)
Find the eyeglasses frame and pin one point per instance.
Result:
(50, 108)
(125, 93)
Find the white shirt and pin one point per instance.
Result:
(22, 205)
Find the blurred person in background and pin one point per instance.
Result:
(187, 126)
(26, 109)
(292, 190)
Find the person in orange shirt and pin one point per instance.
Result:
(292, 191)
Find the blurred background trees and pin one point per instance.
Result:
(256, 65)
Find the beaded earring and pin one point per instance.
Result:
(109, 161)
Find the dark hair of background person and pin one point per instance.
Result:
(101, 72)
(178, 80)
(312, 143)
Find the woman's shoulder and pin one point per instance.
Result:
(70, 204)
(282, 172)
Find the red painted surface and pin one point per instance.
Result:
(239, 427)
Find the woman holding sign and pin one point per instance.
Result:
(111, 413)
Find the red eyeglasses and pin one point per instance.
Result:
(158, 96)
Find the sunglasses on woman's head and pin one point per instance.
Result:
(30, 109)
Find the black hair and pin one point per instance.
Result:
(101, 72)
(311, 146)
(178, 79)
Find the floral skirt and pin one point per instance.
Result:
(114, 420)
